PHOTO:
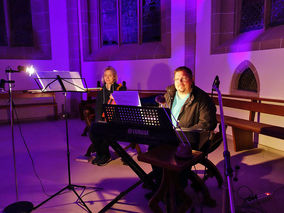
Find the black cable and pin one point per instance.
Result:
(94, 190)
(29, 153)
(247, 207)
(79, 203)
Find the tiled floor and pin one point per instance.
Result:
(261, 170)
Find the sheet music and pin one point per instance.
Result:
(126, 98)
(72, 81)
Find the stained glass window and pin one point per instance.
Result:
(3, 35)
(252, 15)
(21, 29)
(109, 22)
(120, 23)
(129, 22)
(277, 12)
(151, 21)
(247, 81)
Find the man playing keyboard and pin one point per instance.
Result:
(194, 111)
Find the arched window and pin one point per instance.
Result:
(247, 81)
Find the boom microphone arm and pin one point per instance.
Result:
(184, 150)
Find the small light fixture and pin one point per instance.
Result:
(30, 70)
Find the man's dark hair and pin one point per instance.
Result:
(185, 69)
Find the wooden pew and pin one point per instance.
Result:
(243, 129)
(33, 96)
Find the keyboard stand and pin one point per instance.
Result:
(144, 177)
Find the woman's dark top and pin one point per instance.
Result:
(103, 97)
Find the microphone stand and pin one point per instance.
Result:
(12, 129)
(228, 171)
(23, 206)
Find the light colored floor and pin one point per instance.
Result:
(261, 170)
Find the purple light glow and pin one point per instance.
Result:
(242, 45)
(125, 74)
(200, 9)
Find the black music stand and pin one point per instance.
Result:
(143, 121)
(62, 82)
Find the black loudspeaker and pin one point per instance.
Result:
(19, 207)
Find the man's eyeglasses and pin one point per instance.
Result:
(183, 79)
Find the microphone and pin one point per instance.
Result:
(21, 68)
(216, 83)
(11, 71)
(160, 99)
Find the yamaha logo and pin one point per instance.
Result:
(138, 132)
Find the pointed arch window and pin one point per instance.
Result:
(247, 81)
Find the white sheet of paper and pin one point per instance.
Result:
(126, 98)
(72, 81)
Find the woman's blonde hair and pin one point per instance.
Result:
(113, 72)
